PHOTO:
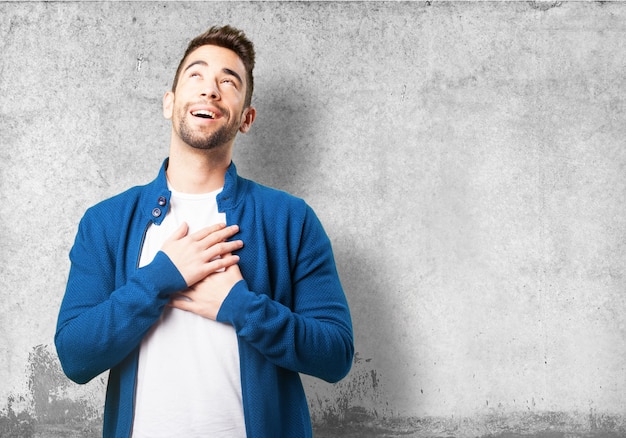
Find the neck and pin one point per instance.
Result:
(197, 171)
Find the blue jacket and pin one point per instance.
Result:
(290, 312)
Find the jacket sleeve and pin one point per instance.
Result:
(312, 336)
(100, 323)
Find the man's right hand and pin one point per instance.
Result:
(202, 253)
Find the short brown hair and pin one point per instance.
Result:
(229, 38)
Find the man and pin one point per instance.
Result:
(204, 326)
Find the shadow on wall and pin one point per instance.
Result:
(282, 149)
(286, 150)
(360, 402)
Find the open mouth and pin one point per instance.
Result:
(205, 114)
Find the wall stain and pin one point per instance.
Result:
(514, 425)
(544, 5)
(14, 425)
(358, 409)
(51, 408)
(358, 398)
(50, 389)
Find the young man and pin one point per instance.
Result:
(203, 326)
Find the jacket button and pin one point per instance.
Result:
(156, 212)
(162, 201)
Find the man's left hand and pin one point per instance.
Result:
(206, 296)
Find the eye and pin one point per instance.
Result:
(229, 81)
(194, 74)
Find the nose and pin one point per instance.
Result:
(211, 91)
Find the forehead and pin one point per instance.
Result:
(216, 57)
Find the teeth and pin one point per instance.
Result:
(204, 113)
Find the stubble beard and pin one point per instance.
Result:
(207, 141)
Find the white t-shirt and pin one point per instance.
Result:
(188, 382)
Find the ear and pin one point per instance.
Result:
(249, 114)
(168, 105)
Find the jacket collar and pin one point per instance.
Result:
(230, 194)
(156, 198)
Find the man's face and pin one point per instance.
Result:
(207, 107)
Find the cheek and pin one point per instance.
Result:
(178, 112)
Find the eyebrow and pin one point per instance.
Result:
(228, 71)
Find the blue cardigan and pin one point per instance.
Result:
(290, 312)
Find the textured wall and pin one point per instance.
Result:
(467, 160)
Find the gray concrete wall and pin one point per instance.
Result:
(467, 160)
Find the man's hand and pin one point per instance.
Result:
(206, 296)
(202, 253)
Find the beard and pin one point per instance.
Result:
(207, 141)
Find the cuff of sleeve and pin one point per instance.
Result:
(235, 307)
(163, 275)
